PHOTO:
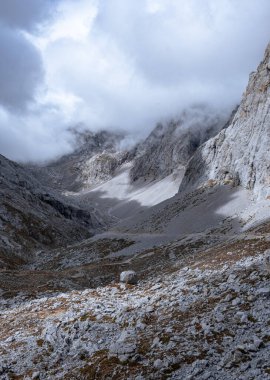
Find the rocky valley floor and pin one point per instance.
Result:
(201, 308)
(207, 319)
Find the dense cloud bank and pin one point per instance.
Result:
(119, 65)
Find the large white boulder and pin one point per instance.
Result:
(129, 277)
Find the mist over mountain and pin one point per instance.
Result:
(121, 65)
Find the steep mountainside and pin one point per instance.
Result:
(31, 218)
(94, 160)
(240, 153)
(169, 147)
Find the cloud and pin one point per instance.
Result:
(33, 137)
(20, 69)
(174, 42)
(145, 60)
(24, 14)
(21, 66)
(123, 64)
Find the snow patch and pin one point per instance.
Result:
(149, 194)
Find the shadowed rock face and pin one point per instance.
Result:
(32, 218)
(240, 154)
(169, 147)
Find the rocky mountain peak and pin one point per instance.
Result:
(91, 142)
(170, 145)
(240, 153)
(94, 159)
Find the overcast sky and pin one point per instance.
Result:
(119, 64)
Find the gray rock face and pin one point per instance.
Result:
(239, 154)
(32, 218)
(169, 146)
(101, 167)
(125, 347)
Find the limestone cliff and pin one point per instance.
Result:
(239, 154)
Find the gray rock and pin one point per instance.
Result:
(129, 277)
(122, 348)
(206, 375)
(242, 316)
(158, 364)
(125, 347)
(264, 291)
(219, 317)
(236, 301)
(228, 298)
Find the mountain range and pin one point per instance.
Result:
(187, 209)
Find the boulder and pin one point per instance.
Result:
(129, 277)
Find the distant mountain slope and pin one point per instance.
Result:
(239, 154)
(99, 156)
(31, 218)
(169, 146)
(94, 160)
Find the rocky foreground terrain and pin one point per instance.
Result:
(203, 318)
(198, 306)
